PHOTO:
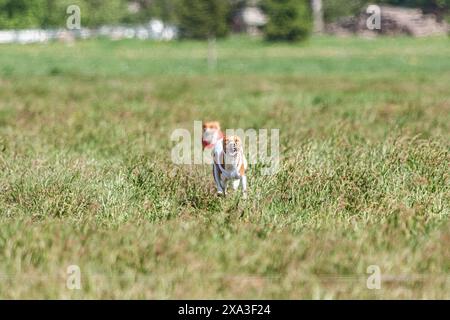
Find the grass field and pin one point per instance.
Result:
(86, 176)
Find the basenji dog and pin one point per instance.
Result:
(229, 162)
(230, 165)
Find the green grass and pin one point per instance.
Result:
(86, 176)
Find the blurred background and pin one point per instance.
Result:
(27, 21)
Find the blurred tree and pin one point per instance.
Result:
(100, 12)
(203, 19)
(148, 9)
(52, 13)
(239, 4)
(289, 20)
(334, 9)
(22, 13)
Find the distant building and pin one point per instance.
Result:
(249, 20)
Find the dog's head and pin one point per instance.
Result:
(232, 145)
(211, 133)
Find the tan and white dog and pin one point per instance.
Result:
(230, 165)
(229, 162)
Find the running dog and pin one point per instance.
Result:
(230, 165)
(229, 162)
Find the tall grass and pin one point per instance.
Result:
(86, 176)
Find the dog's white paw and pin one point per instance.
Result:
(244, 195)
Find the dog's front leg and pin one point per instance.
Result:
(244, 186)
(236, 184)
(224, 184)
(217, 180)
